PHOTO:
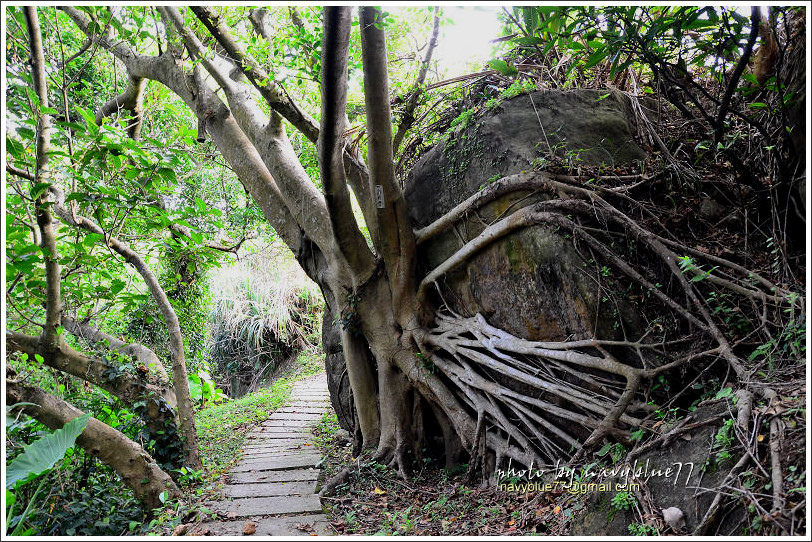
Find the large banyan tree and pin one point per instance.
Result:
(420, 371)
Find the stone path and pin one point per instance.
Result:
(271, 491)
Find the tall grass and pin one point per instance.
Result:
(265, 310)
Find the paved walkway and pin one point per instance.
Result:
(272, 489)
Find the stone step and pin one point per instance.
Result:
(260, 506)
(278, 444)
(303, 416)
(289, 462)
(286, 423)
(269, 489)
(256, 461)
(301, 410)
(311, 523)
(264, 453)
(291, 475)
(279, 433)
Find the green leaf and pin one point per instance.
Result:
(10, 499)
(529, 41)
(14, 147)
(596, 57)
(39, 189)
(502, 67)
(42, 454)
(724, 392)
(605, 450)
(92, 238)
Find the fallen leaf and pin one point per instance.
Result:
(511, 522)
(557, 509)
(379, 491)
(306, 527)
(760, 438)
(249, 528)
(181, 529)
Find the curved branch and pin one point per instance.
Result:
(96, 371)
(140, 352)
(138, 470)
(132, 99)
(176, 350)
(512, 183)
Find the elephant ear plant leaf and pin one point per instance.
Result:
(39, 457)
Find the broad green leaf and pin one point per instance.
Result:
(724, 392)
(529, 40)
(502, 67)
(596, 57)
(42, 454)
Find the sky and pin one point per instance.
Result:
(464, 42)
(468, 39)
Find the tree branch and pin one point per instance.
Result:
(132, 99)
(261, 80)
(109, 446)
(392, 222)
(407, 117)
(176, 349)
(755, 21)
(42, 176)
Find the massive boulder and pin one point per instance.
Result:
(535, 283)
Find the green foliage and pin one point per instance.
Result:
(641, 529)
(203, 389)
(42, 454)
(517, 88)
(36, 458)
(623, 500)
(723, 439)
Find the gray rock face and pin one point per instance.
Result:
(694, 465)
(581, 126)
(338, 383)
(533, 283)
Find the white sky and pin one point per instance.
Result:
(465, 45)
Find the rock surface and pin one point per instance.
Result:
(701, 470)
(580, 126)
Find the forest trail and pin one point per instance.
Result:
(271, 491)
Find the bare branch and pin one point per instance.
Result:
(407, 116)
